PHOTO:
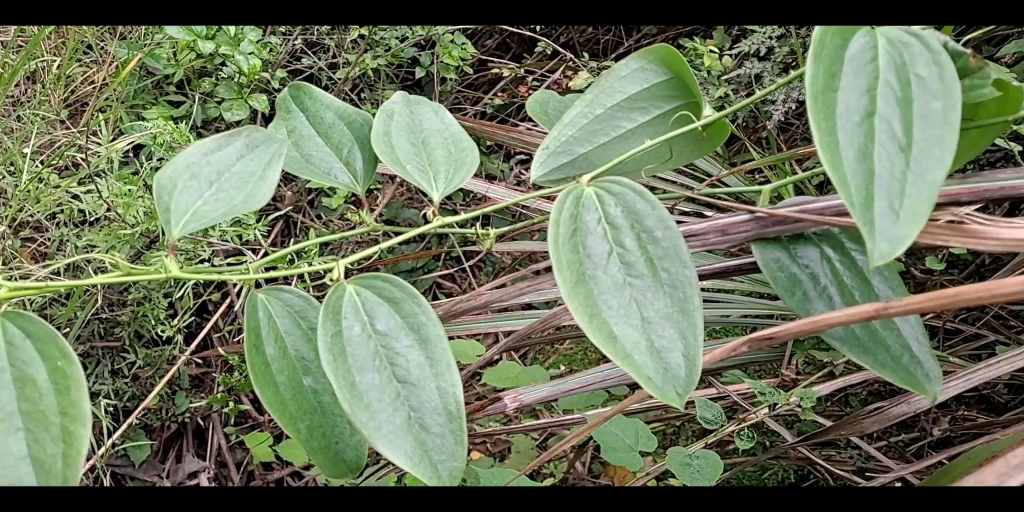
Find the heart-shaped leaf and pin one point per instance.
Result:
(698, 469)
(709, 414)
(745, 438)
(884, 108)
(582, 401)
(284, 364)
(467, 351)
(546, 107)
(627, 278)
(825, 271)
(424, 144)
(510, 374)
(218, 178)
(328, 139)
(234, 110)
(45, 413)
(640, 98)
(622, 439)
(392, 368)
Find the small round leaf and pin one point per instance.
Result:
(546, 107)
(745, 438)
(709, 414)
(699, 469)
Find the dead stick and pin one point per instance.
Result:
(163, 382)
(973, 295)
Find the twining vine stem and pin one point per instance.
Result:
(707, 121)
(250, 272)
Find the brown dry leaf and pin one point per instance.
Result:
(149, 471)
(619, 476)
(180, 472)
(26, 255)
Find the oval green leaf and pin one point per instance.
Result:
(701, 468)
(284, 365)
(424, 144)
(546, 107)
(392, 368)
(642, 97)
(745, 438)
(709, 414)
(884, 109)
(627, 278)
(975, 141)
(328, 139)
(622, 439)
(976, 74)
(825, 271)
(218, 178)
(45, 413)
(988, 90)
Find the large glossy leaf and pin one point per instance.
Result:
(424, 144)
(45, 416)
(392, 368)
(218, 178)
(825, 271)
(546, 107)
(627, 278)
(884, 109)
(645, 96)
(328, 139)
(989, 91)
(284, 364)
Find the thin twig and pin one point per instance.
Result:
(173, 371)
(548, 41)
(972, 295)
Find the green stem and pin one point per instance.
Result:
(695, 126)
(770, 187)
(798, 46)
(260, 263)
(989, 122)
(266, 260)
(13, 290)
